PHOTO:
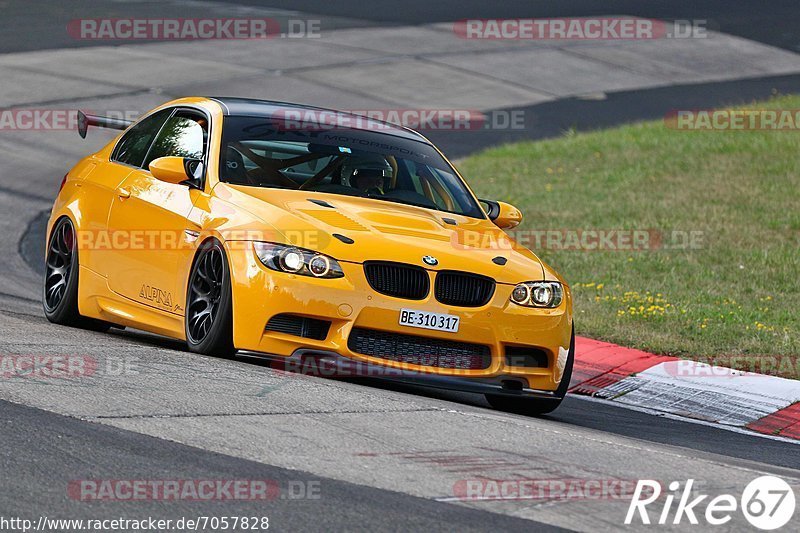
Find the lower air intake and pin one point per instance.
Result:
(423, 351)
(526, 356)
(299, 326)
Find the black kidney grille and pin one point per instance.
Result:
(424, 351)
(463, 289)
(398, 280)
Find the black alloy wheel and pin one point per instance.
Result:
(208, 303)
(59, 267)
(62, 268)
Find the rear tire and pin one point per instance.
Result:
(209, 316)
(62, 268)
(537, 406)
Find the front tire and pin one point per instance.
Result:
(209, 316)
(60, 294)
(537, 406)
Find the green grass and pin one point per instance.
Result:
(738, 294)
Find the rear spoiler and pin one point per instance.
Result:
(84, 121)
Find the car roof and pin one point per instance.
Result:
(269, 108)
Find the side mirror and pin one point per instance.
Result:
(178, 170)
(504, 216)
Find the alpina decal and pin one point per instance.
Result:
(156, 295)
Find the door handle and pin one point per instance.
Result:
(123, 193)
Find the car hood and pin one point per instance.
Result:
(381, 231)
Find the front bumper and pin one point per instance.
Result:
(348, 302)
(310, 362)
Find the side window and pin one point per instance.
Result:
(185, 134)
(133, 146)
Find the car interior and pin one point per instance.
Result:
(336, 170)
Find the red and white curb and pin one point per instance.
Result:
(733, 398)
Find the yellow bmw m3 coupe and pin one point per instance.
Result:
(304, 234)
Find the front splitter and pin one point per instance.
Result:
(332, 365)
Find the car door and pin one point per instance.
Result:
(152, 218)
(101, 186)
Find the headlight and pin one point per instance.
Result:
(295, 260)
(538, 294)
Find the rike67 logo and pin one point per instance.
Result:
(767, 503)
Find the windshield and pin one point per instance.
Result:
(257, 152)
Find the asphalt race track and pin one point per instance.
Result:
(346, 454)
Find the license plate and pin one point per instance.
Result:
(426, 320)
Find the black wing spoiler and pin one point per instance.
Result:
(84, 121)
